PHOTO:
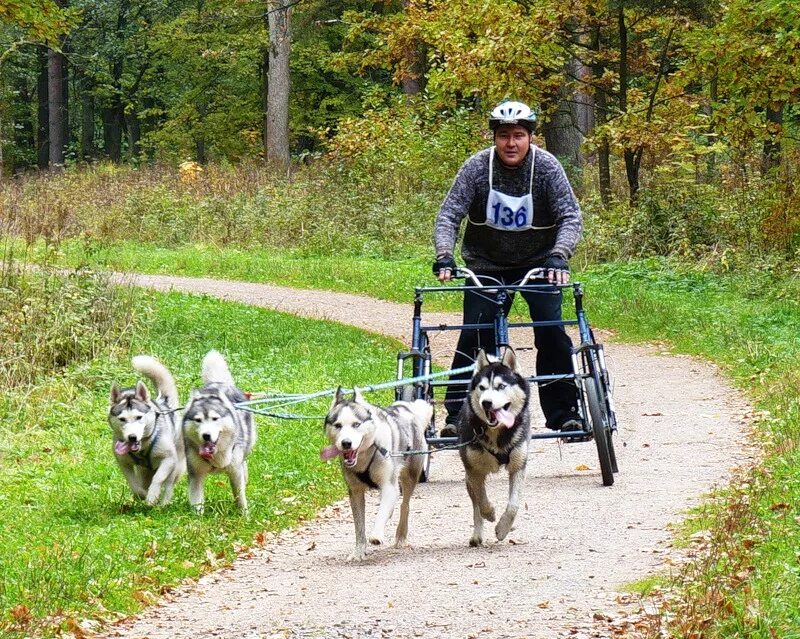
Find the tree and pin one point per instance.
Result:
(277, 136)
(25, 23)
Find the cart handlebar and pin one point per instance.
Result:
(467, 274)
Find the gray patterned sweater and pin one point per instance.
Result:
(486, 249)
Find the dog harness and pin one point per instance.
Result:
(144, 460)
(363, 476)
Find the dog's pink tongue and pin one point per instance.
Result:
(329, 452)
(122, 448)
(505, 418)
(207, 450)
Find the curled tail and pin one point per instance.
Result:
(423, 412)
(215, 369)
(163, 380)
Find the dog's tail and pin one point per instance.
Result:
(423, 412)
(215, 369)
(160, 376)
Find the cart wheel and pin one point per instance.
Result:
(602, 431)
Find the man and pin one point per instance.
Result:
(521, 213)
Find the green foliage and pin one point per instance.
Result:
(39, 21)
(751, 54)
(208, 93)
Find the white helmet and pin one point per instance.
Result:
(512, 113)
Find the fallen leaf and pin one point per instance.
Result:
(582, 467)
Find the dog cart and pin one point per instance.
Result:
(589, 370)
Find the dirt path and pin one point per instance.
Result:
(575, 545)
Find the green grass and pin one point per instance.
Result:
(74, 544)
(387, 280)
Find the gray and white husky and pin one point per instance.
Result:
(494, 428)
(218, 436)
(148, 444)
(369, 440)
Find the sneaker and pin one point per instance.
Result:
(572, 425)
(448, 430)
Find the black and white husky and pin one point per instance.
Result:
(370, 441)
(148, 444)
(218, 436)
(494, 428)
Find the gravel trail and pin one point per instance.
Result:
(562, 569)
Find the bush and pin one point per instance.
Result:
(49, 321)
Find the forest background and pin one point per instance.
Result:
(249, 135)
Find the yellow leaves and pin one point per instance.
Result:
(189, 171)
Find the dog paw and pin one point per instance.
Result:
(503, 526)
(199, 509)
(357, 555)
(475, 541)
(401, 543)
(375, 540)
(488, 513)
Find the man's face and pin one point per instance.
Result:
(512, 142)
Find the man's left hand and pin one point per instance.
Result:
(556, 270)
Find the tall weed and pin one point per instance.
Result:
(50, 320)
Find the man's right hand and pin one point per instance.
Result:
(444, 267)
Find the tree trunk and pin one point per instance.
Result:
(134, 135)
(278, 84)
(413, 81)
(43, 126)
(23, 126)
(112, 132)
(600, 117)
(265, 98)
(630, 155)
(771, 153)
(562, 136)
(87, 121)
(57, 107)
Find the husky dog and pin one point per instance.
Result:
(494, 430)
(218, 436)
(368, 438)
(148, 443)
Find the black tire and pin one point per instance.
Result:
(600, 427)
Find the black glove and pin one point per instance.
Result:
(556, 263)
(443, 262)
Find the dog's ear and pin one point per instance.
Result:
(358, 398)
(510, 360)
(338, 398)
(115, 393)
(483, 360)
(141, 392)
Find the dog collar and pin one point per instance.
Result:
(143, 459)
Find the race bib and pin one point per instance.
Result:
(509, 213)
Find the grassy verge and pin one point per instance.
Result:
(745, 582)
(392, 280)
(79, 546)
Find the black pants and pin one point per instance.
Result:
(559, 400)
